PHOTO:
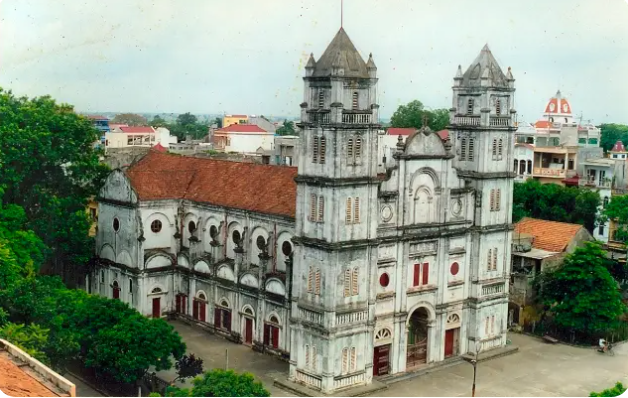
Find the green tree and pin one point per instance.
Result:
(287, 128)
(411, 115)
(188, 366)
(187, 119)
(617, 210)
(127, 350)
(227, 383)
(158, 121)
(31, 339)
(218, 122)
(581, 295)
(611, 133)
(130, 119)
(615, 391)
(50, 168)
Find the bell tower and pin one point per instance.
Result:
(335, 259)
(483, 123)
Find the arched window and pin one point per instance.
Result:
(470, 106)
(358, 148)
(492, 200)
(494, 149)
(500, 148)
(315, 144)
(156, 290)
(516, 166)
(321, 99)
(566, 120)
(130, 286)
(347, 283)
(317, 282)
(494, 259)
(489, 265)
(498, 107)
(470, 155)
(321, 209)
(529, 167)
(313, 207)
(348, 215)
(355, 104)
(191, 226)
(273, 319)
(350, 149)
(356, 210)
(201, 296)
(498, 199)
(605, 201)
(463, 149)
(345, 360)
(354, 282)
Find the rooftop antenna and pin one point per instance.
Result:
(341, 12)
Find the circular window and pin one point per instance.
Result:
(286, 248)
(155, 226)
(384, 279)
(116, 224)
(455, 267)
(191, 226)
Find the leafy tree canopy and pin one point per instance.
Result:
(186, 124)
(131, 119)
(617, 209)
(287, 128)
(49, 168)
(411, 115)
(582, 296)
(615, 391)
(611, 133)
(555, 203)
(222, 383)
(188, 366)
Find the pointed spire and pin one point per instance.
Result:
(311, 63)
(459, 72)
(370, 64)
(341, 53)
(484, 71)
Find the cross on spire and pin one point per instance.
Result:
(341, 11)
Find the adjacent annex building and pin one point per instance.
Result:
(346, 272)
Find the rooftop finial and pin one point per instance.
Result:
(424, 120)
(341, 12)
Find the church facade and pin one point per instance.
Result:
(346, 272)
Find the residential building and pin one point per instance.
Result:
(243, 138)
(524, 159)
(228, 120)
(141, 136)
(101, 123)
(286, 150)
(263, 123)
(24, 376)
(347, 272)
(537, 246)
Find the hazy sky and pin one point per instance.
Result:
(247, 56)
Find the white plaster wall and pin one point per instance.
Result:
(249, 143)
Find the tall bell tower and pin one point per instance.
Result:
(335, 259)
(483, 123)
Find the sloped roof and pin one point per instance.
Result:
(159, 148)
(443, 134)
(400, 131)
(619, 147)
(341, 53)
(241, 128)
(484, 65)
(248, 186)
(559, 105)
(17, 383)
(548, 235)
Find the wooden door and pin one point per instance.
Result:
(381, 359)
(157, 307)
(449, 343)
(248, 331)
(195, 305)
(116, 293)
(202, 310)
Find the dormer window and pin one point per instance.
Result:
(355, 104)
(470, 106)
(321, 99)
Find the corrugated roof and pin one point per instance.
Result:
(248, 186)
(548, 235)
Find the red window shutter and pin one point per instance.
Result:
(417, 272)
(275, 337)
(266, 334)
(203, 311)
(217, 318)
(227, 315)
(195, 310)
(178, 303)
(184, 304)
(426, 273)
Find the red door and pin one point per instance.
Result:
(248, 331)
(381, 358)
(201, 309)
(157, 307)
(449, 343)
(116, 293)
(195, 309)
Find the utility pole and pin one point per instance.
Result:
(474, 362)
(226, 359)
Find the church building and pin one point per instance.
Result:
(345, 272)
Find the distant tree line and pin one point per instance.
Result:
(412, 115)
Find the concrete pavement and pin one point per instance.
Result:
(538, 369)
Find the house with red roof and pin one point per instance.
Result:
(123, 136)
(243, 138)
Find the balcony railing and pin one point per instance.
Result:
(545, 172)
(467, 120)
(357, 118)
(500, 121)
(595, 182)
(319, 118)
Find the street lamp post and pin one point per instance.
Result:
(474, 362)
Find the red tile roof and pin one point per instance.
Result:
(248, 186)
(117, 125)
(138, 129)
(15, 382)
(401, 131)
(241, 128)
(159, 148)
(548, 235)
(443, 134)
(542, 124)
(619, 147)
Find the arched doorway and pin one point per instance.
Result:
(248, 317)
(417, 339)
(116, 290)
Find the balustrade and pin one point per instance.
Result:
(357, 118)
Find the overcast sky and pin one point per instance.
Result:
(247, 56)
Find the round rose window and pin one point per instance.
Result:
(384, 279)
(455, 268)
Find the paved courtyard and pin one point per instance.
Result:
(538, 369)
